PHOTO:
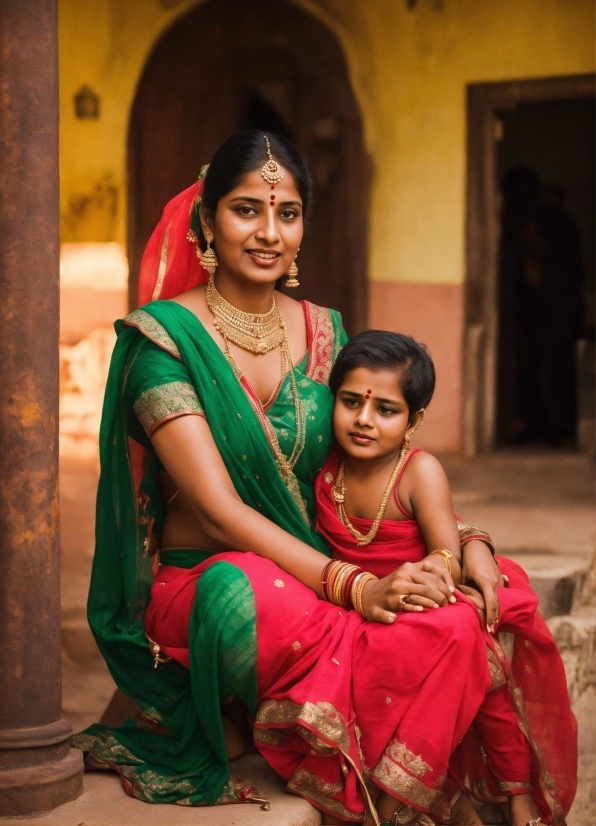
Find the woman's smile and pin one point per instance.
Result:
(264, 258)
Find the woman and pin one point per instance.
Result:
(216, 420)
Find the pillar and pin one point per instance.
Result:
(38, 769)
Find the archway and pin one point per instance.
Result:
(275, 68)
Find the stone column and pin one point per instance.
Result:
(38, 769)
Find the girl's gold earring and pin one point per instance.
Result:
(406, 442)
(208, 258)
(292, 273)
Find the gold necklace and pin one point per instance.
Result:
(255, 332)
(260, 333)
(339, 494)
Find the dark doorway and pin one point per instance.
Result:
(276, 68)
(541, 121)
(547, 265)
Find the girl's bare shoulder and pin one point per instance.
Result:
(424, 467)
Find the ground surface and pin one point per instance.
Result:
(539, 508)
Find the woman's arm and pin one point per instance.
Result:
(480, 568)
(190, 456)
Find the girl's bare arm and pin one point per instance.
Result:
(426, 489)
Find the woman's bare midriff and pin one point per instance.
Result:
(181, 527)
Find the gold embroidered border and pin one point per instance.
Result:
(412, 762)
(497, 675)
(322, 347)
(270, 736)
(512, 785)
(320, 793)
(547, 783)
(163, 264)
(322, 717)
(395, 779)
(166, 401)
(153, 330)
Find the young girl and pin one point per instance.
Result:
(381, 504)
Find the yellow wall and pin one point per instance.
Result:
(409, 70)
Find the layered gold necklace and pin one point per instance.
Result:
(339, 494)
(255, 332)
(260, 333)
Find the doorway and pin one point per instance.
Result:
(546, 127)
(207, 79)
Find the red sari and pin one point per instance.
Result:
(524, 735)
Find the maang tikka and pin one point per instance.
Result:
(271, 171)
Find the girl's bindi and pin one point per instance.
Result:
(272, 201)
(368, 392)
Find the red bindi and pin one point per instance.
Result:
(368, 392)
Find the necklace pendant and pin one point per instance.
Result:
(261, 347)
(339, 496)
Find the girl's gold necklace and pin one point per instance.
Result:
(259, 333)
(339, 494)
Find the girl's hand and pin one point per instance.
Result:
(423, 585)
(475, 596)
(480, 567)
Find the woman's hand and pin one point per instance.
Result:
(424, 584)
(480, 567)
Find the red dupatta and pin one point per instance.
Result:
(170, 265)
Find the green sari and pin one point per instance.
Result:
(166, 364)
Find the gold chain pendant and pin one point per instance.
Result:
(339, 495)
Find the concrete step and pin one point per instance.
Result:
(104, 803)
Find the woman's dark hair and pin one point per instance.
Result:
(243, 153)
(382, 350)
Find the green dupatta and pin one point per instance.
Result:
(186, 752)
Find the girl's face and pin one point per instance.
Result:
(371, 416)
(257, 229)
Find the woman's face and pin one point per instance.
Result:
(257, 229)
(371, 416)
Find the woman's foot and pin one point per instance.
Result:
(463, 813)
(522, 810)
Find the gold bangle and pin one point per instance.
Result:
(445, 556)
(358, 590)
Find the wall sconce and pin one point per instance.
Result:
(86, 103)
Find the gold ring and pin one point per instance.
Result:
(401, 602)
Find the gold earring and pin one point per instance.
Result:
(292, 273)
(208, 258)
(406, 442)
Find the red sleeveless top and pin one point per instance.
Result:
(396, 542)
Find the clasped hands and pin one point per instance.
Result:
(428, 584)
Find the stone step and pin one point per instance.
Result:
(104, 803)
(563, 583)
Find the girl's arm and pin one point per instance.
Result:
(425, 489)
(190, 456)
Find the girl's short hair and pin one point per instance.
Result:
(382, 350)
